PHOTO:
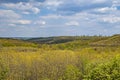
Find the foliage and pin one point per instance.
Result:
(14, 42)
(3, 70)
(72, 73)
(105, 71)
(75, 59)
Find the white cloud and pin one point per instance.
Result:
(72, 23)
(111, 19)
(9, 14)
(51, 17)
(116, 2)
(85, 14)
(40, 22)
(23, 22)
(53, 3)
(11, 18)
(99, 1)
(36, 10)
(12, 24)
(25, 12)
(22, 6)
(105, 9)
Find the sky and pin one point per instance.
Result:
(43, 18)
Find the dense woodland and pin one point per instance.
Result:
(60, 58)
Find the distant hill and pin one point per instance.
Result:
(6, 42)
(67, 42)
(64, 39)
(110, 41)
(53, 40)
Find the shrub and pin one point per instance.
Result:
(72, 73)
(3, 70)
(105, 71)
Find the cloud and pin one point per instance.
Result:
(40, 0)
(116, 2)
(40, 22)
(9, 14)
(25, 12)
(51, 16)
(105, 9)
(23, 22)
(75, 6)
(90, 17)
(22, 6)
(17, 1)
(111, 19)
(11, 24)
(15, 22)
(36, 10)
(52, 4)
(12, 1)
(100, 1)
(11, 18)
(72, 23)
(60, 6)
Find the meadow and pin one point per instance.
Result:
(60, 58)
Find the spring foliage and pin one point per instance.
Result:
(74, 60)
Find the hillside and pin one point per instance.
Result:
(6, 42)
(63, 42)
(63, 39)
(76, 42)
(110, 41)
(67, 42)
(53, 40)
(59, 58)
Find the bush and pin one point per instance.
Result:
(3, 70)
(105, 71)
(72, 73)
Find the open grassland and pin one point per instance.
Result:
(73, 60)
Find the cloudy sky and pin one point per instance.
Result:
(41, 18)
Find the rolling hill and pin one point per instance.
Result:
(6, 42)
(64, 41)
(110, 41)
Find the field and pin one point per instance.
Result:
(60, 58)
